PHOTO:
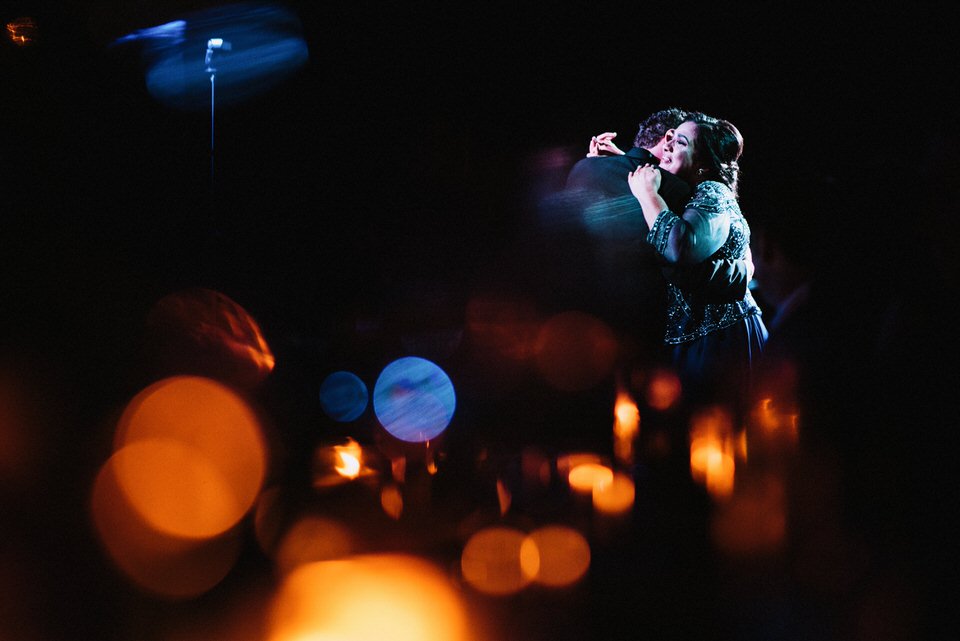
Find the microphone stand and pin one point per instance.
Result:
(213, 74)
(211, 235)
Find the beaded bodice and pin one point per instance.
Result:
(687, 317)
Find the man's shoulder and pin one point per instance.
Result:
(587, 171)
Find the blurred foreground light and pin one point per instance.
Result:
(391, 500)
(203, 332)
(192, 458)
(502, 328)
(312, 539)
(262, 45)
(348, 459)
(414, 399)
(343, 396)
(754, 521)
(664, 390)
(338, 464)
(160, 563)
(495, 561)
(615, 496)
(712, 451)
(626, 427)
(561, 555)
(575, 351)
(22, 31)
(368, 598)
(586, 477)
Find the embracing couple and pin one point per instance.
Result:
(682, 174)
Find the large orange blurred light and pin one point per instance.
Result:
(616, 496)
(162, 564)
(561, 553)
(368, 598)
(194, 458)
(584, 478)
(494, 561)
(575, 351)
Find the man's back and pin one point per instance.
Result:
(607, 175)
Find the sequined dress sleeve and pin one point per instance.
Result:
(712, 226)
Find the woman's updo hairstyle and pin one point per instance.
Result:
(719, 145)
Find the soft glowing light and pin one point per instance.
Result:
(626, 427)
(339, 464)
(587, 476)
(192, 457)
(158, 562)
(754, 521)
(560, 556)
(22, 31)
(663, 390)
(615, 497)
(310, 539)
(348, 459)
(504, 497)
(492, 563)
(712, 447)
(502, 328)
(777, 427)
(368, 598)
(262, 46)
(343, 396)
(203, 332)
(414, 399)
(566, 462)
(398, 468)
(391, 500)
(575, 351)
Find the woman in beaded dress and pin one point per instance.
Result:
(715, 345)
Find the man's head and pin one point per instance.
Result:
(652, 130)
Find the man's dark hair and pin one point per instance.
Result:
(651, 130)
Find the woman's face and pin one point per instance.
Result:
(679, 152)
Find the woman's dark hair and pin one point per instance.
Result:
(651, 130)
(719, 145)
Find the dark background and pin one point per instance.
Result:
(402, 164)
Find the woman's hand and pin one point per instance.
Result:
(602, 145)
(644, 182)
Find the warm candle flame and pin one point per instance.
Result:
(626, 427)
(348, 459)
(712, 447)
